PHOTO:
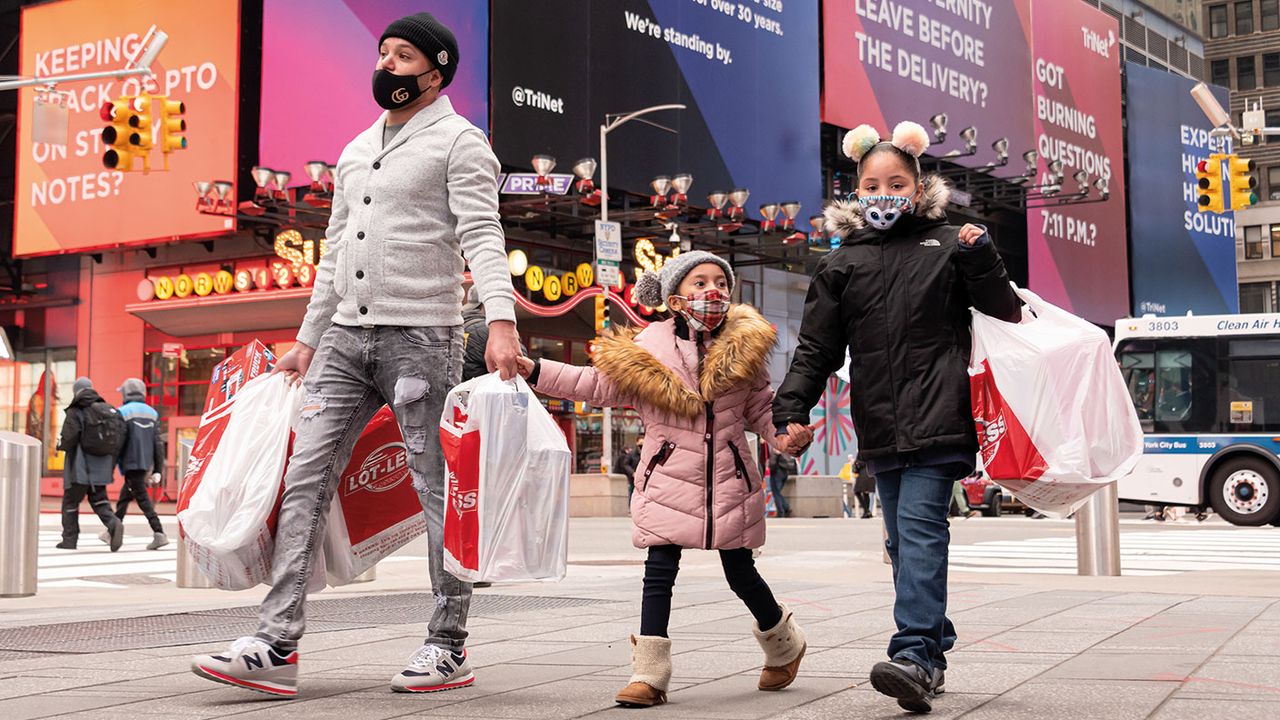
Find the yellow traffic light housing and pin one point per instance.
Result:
(172, 125)
(119, 154)
(1244, 186)
(1209, 185)
(602, 314)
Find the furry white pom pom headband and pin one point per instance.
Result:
(908, 137)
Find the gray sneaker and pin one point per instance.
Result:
(105, 537)
(432, 669)
(251, 664)
(158, 541)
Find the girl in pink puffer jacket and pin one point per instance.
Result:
(698, 381)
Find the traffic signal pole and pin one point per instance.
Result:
(149, 48)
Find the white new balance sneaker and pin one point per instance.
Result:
(432, 669)
(251, 664)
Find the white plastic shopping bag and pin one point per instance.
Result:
(229, 522)
(507, 506)
(1054, 419)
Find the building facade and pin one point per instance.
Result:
(1242, 48)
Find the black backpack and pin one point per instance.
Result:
(102, 430)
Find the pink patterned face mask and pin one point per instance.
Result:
(707, 310)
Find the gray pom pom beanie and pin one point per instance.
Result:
(653, 289)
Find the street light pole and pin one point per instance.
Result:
(606, 425)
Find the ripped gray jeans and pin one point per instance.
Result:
(354, 373)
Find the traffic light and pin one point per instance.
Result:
(116, 135)
(1209, 185)
(602, 314)
(1244, 186)
(172, 125)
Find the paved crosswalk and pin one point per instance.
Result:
(1141, 553)
(93, 564)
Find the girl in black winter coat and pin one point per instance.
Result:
(897, 294)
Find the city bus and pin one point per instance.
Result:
(1207, 391)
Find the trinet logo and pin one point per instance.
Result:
(1097, 43)
(525, 97)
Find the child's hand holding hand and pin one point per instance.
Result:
(524, 366)
(970, 233)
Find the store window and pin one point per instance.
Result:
(35, 389)
(1273, 182)
(547, 348)
(1220, 73)
(1270, 15)
(1246, 73)
(1244, 17)
(1218, 21)
(178, 386)
(1255, 297)
(1253, 242)
(1271, 71)
(1275, 241)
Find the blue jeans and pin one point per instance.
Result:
(915, 502)
(354, 373)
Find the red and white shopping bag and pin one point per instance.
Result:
(375, 509)
(506, 515)
(1054, 420)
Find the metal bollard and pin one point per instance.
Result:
(188, 575)
(20, 468)
(1098, 534)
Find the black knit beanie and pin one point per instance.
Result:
(434, 40)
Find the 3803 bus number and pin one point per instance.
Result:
(1162, 326)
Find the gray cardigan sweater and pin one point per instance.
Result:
(404, 219)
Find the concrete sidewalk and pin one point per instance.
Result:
(1030, 647)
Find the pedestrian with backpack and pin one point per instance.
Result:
(92, 435)
(141, 459)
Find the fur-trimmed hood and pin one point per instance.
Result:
(737, 356)
(844, 217)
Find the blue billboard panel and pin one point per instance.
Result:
(1182, 260)
(748, 72)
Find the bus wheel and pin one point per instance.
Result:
(1246, 491)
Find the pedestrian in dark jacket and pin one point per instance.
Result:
(142, 458)
(864, 486)
(897, 295)
(475, 337)
(781, 466)
(628, 462)
(84, 475)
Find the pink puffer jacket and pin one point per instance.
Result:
(695, 415)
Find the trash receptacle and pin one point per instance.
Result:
(188, 574)
(19, 513)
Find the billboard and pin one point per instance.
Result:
(885, 62)
(1183, 260)
(747, 71)
(318, 59)
(66, 200)
(1077, 254)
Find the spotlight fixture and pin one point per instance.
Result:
(1082, 179)
(204, 195)
(970, 137)
(320, 193)
(769, 211)
(716, 200)
(282, 186)
(1001, 148)
(661, 186)
(939, 123)
(1103, 186)
(585, 170)
(680, 184)
(790, 210)
(817, 233)
(1031, 157)
(543, 165)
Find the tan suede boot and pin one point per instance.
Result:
(651, 672)
(783, 647)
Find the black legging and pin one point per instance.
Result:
(135, 489)
(739, 569)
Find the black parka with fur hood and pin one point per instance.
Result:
(899, 301)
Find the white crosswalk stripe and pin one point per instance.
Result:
(1141, 553)
(93, 564)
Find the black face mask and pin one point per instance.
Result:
(392, 91)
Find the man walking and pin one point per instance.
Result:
(627, 462)
(92, 434)
(414, 195)
(781, 466)
(141, 459)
